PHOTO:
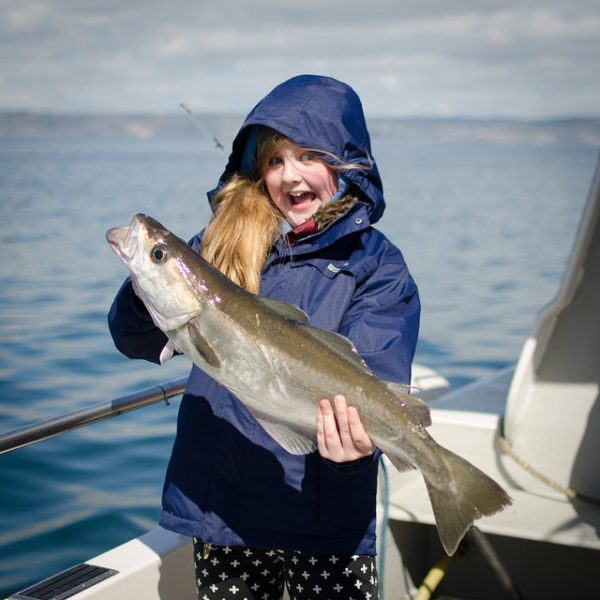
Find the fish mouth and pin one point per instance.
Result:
(123, 240)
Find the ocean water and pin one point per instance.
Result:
(485, 226)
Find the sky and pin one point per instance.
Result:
(525, 59)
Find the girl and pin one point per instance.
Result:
(293, 216)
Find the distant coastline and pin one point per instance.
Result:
(22, 124)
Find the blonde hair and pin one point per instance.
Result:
(242, 231)
(246, 223)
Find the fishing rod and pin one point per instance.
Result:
(203, 128)
(42, 430)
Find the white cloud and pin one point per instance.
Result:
(464, 57)
(25, 16)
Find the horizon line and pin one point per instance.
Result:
(230, 114)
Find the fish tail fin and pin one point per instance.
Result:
(467, 494)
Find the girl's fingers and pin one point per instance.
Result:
(327, 435)
(341, 436)
(360, 437)
(341, 418)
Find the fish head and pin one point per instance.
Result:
(159, 265)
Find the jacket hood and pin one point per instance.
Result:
(314, 112)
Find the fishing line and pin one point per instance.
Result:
(384, 524)
(203, 128)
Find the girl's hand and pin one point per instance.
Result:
(341, 436)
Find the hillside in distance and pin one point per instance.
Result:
(224, 126)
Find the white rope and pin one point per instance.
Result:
(572, 494)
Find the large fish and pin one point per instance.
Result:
(266, 353)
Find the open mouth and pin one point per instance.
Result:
(299, 198)
(122, 240)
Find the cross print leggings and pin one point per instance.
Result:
(239, 573)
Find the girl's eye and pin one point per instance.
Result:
(274, 161)
(159, 254)
(308, 156)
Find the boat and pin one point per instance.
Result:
(533, 426)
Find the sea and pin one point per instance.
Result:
(485, 213)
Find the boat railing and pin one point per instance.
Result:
(42, 430)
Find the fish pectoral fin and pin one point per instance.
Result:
(289, 438)
(167, 352)
(415, 406)
(284, 309)
(203, 347)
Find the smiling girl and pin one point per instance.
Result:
(293, 219)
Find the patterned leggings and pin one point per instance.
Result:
(239, 573)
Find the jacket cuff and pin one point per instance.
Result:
(354, 466)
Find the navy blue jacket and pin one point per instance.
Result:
(228, 481)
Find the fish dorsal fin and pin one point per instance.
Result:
(284, 309)
(415, 406)
(291, 439)
(399, 388)
(334, 341)
(339, 344)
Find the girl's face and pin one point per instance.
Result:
(298, 182)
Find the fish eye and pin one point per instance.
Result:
(159, 254)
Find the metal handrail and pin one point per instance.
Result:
(42, 430)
